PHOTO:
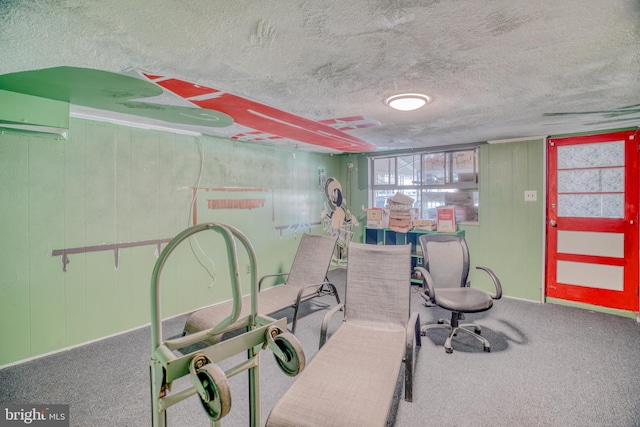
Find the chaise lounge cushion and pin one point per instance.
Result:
(343, 393)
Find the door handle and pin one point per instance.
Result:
(553, 223)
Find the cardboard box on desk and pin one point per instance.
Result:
(401, 221)
(412, 213)
(424, 224)
(377, 218)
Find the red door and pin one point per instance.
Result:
(592, 220)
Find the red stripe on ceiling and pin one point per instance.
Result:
(264, 118)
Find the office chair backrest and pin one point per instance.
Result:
(378, 288)
(446, 257)
(312, 259)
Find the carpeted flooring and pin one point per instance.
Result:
(550, 365)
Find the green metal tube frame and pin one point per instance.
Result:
(166, 366)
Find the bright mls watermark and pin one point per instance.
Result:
(34, 415)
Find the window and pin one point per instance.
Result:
(432, 179)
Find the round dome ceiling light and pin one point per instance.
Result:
(407, 101)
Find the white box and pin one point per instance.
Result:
(377, 218)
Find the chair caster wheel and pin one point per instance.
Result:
(487, 349)
(448, 350)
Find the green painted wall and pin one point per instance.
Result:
(112, 184)
(509, 235)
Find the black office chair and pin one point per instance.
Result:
(445, 284)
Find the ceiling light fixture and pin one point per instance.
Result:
(407, 101)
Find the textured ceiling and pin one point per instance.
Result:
(495, 69)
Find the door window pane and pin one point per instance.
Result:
(591, 180)
(591, 205)
(612, 180)
(591, 155)
(579, 181)
(613, 205)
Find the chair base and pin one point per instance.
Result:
(454, 328)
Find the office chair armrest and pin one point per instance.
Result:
(428, 288)
(268, 276)
(325, 323)
(495, 279)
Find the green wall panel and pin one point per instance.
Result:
(509, 235)
(15, 320)
(75, 194)
(100, 225)
(123, 230)
(46, 226)
(110, 184)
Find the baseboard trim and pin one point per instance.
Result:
(607, 310)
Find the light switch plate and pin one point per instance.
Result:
(530, 196)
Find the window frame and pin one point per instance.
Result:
(417, 188)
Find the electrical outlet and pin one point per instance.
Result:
(248, 269)
(530, 196)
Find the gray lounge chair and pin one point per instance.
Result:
(306, 280)
(352, 379)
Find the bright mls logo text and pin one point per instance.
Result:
(38, 415)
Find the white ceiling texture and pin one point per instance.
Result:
(494, 69)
